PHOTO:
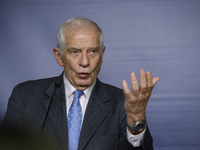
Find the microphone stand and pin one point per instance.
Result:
(57, 84)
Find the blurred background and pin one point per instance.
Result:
(161, 36)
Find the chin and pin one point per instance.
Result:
(84, 83)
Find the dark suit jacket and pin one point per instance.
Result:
(104, 125)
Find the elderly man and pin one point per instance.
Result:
(84, 114)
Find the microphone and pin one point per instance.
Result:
(57, 84)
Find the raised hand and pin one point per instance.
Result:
(137, 99)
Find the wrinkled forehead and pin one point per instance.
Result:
(71, 31)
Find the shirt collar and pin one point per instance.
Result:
(69, 89)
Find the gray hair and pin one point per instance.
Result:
(75, 23)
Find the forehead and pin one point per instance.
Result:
(85, 33)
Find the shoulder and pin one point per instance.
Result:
(110, 90)
(39, 83)
(34, 87)
(31, 92)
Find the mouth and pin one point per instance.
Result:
(83, 75)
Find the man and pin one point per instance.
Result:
(111, 119)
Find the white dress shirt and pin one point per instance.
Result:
(135, 140)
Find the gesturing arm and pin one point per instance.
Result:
(137, 99)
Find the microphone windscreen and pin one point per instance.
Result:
(58, 82)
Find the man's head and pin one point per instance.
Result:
(73, 24)
(80, 50)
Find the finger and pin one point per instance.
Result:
(143, 82)
(149, 81)
(134, 84)
(125, 87)
(155, 80)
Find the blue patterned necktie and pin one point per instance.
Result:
(74, 121)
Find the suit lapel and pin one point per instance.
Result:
(57, 112)
(97, 109)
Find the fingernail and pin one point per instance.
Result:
(148, 73)
(142, 71)
(133, 74)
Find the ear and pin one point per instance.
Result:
(58, 56)
(102, 54)
(103, 50)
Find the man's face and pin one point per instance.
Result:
(82, 57)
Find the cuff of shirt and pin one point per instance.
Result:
(135, 140)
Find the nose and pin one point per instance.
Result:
(84, 60)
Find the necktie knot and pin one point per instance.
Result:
(78, 93)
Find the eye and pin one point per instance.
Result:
(74, 52)
(93, 51)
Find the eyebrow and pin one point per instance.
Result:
(72, 48)
(94, 47)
